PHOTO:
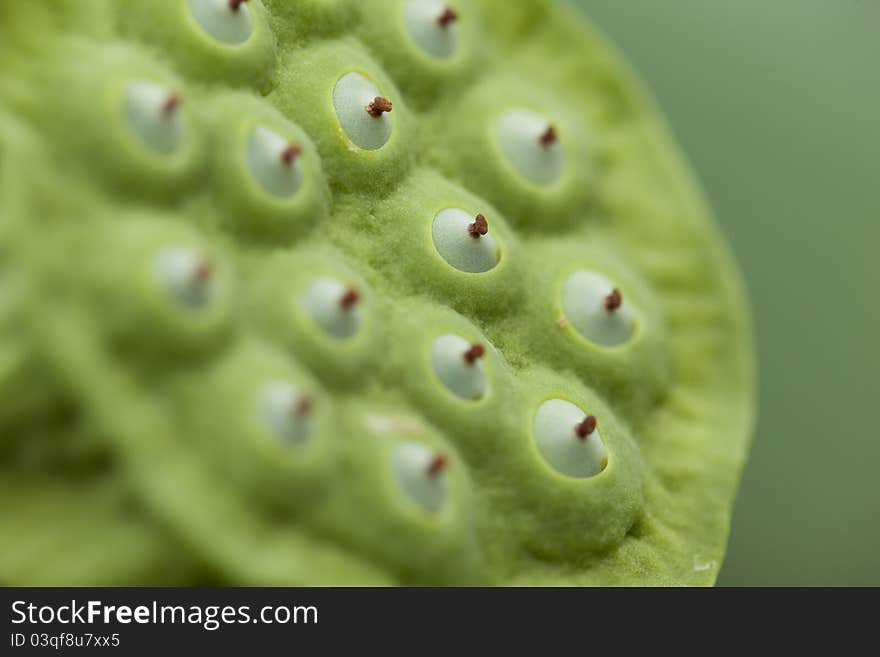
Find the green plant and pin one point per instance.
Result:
(354, 292)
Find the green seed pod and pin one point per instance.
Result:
(265, 423)
(171, 293)
(600, 321)
(267, 174)
(592, 480)
(210, 40)
(431, 47)
(354, 113)
(314, 304)
(407, 481)
(452, 371)
(288, 278)
(122, 118)
(431, 230)
(527, 149)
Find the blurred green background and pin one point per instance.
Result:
(777, 105)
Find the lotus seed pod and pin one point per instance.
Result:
(210, 40)
(258, 401)
(315, 304)
(420, 474)
(432, 49)
(464, 240)
(576, 322)
(569, 439)
(432, 26)
(474, 264)
(355, 114)
(267, 175)
(531, 145)
(527, 150)
(363, 113)
(457, 363)
(334, 306)
(596, 308)
(125, 117)
(227, 21)
(152, 112)
(170, 292)
(274, 162)
(412, 489)
(279, 280)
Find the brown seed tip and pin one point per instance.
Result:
(474, 353)
(378, 106)
(235, 4)
(548, 137)
(170, 105)
(562, 322)
(349, 299)
(289, 154)
(303, 406)
(203, 271)
(585, 428)
(613, 300)
(447, 17)
(437, 465)
(479, 227)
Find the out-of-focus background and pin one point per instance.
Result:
(777, 105)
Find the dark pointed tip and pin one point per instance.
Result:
(379, 106)
(475, 352)
(303, 406)
(549, 136)
(203, 271)
(613, 301)
(349, 299)
(585, 428)
(170, 104)
(437, 465)
(479, 227)
(235, 4)
(289, 154)
(447, 17)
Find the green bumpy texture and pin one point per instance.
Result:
(130, 449)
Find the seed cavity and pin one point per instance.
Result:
(362, 111)
(274, 162)
(187, 274)
(569, 439)
(595, 307)
(531, 145)
(334, 306)
(153, 114)
(226, 21)
(421, 473)
(432, 26)
(464, 241)
(287, 410)
(458, 364)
